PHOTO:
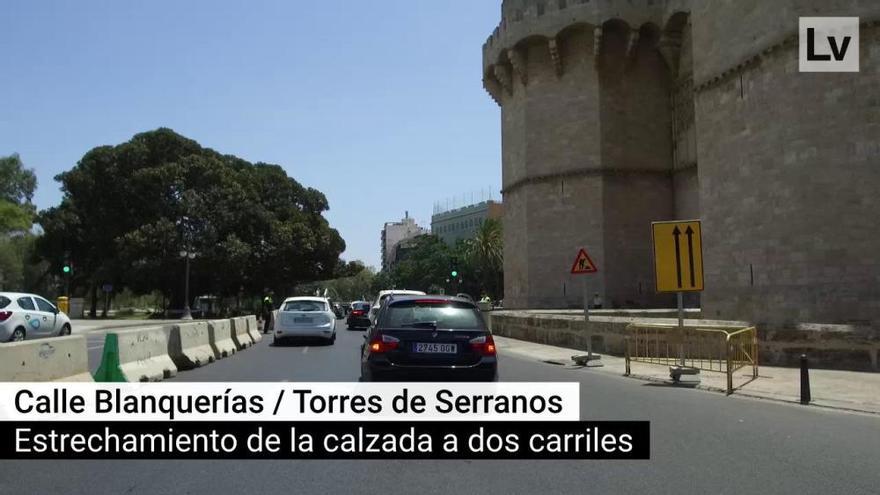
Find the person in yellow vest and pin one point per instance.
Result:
(268, 307)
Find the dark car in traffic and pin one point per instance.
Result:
(359, 316)
(434, 338)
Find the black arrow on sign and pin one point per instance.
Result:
(675, 234)
(690, 234)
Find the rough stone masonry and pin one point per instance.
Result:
(617, 113)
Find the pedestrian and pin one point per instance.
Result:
(597, 301)
(268, 316)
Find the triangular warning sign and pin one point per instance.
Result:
(583, 264)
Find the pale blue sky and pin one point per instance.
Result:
(378, 104)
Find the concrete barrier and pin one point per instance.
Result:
(240, 334)
(220, 333)
(136, 356)
(189, 345)
(254, 329)
(61, 359)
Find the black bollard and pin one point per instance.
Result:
(805, 380)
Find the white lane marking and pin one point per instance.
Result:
(305, 349)
(93, 348)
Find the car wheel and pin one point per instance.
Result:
(18, 335)
(65, 330)
(333, 339)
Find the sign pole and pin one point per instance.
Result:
(681, 329)
(587, 320)
(678, 267)
(583, 265)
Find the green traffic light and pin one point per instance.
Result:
(454, 273)
(66, 269)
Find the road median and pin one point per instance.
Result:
(136, 356)
(59, 359)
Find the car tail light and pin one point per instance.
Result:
(485, 345)
(357, 312)
(4, 315)
(381, 343)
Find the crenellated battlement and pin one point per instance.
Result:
(521, 19)
(524, 22)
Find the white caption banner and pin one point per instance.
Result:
(291, 401)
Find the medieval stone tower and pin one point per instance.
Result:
(617, 113)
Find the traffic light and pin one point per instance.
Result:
(66, 269)
(454, 274)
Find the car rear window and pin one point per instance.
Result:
(361, 306)
(4, 301)
(430, 313)
(305, 306)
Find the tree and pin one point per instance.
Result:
(350, 287)
(129, 210)
(17, 186)
(485, 254)
(426, 265)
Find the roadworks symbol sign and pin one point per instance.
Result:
(583, 264)
(678, 256)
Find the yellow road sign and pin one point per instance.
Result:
(678, 256)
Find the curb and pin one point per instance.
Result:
(741, 393)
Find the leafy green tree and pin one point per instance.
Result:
(129, 210)
(485, 254)
(350, 287)
(428, 265)
(17, 186)
(18, 271)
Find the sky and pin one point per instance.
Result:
(378, 104)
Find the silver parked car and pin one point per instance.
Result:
(29, 316)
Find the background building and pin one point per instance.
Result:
(462, 223)
(617, 113)
(393, 233)
(403, 250)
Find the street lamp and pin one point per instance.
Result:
(188, 255)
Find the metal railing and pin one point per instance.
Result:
(722, 350)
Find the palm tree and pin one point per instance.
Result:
(486, 253)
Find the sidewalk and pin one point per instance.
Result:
(846, 390)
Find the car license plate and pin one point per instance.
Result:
(302, 320)
(435, 348)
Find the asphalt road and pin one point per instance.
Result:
(702, 442)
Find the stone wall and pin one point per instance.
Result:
(622, 112)
(789, 173)
(829, 346)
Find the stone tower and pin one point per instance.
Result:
(617, 113)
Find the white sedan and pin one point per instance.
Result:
(305, 317)
(29, 316)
